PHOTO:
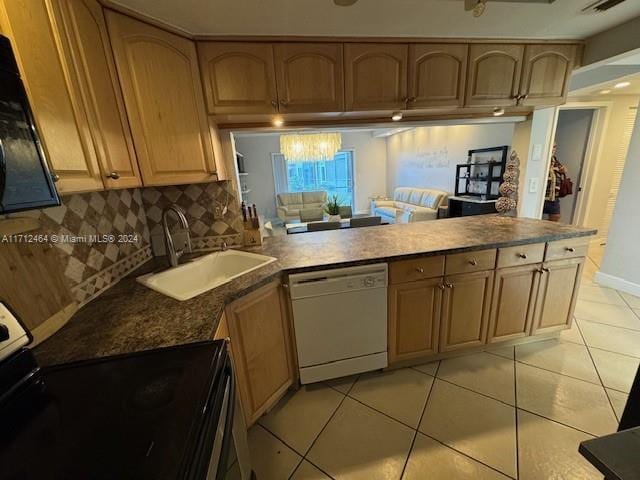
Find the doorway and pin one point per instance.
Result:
(573, 132)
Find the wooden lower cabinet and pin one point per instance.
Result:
(258, 327)
(465, 310)
(414, 319)
(515, 291)
(557, 294)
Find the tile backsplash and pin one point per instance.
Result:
(132, 216)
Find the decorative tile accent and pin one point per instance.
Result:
(96, 284)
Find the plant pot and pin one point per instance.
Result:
(333, 218)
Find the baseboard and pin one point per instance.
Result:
(618, 283)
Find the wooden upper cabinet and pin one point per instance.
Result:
(60, 118)
(437, 75)
(545, 73)
(87, 50)
(309, 77)
(238, 77)
(160, 80)
(557, 295)
(514, 299)
(493, 77)
(375, 76)
(414, 319)
(465, 310)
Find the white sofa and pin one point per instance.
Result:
(290, 204)
(410, 205)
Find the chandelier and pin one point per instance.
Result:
(310, 147)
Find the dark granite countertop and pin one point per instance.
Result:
(131, 317)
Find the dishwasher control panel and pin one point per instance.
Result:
(339, 280)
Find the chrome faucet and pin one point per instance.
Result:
(174, 255)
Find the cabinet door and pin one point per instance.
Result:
(87, 50)
(238, 77)
(493, 77)
(414, 319)
(437, 75)
(309, 77)
(60, 118)
(557, 295)
(162, 91)
(375, 76)
(260, 342)
(545, 74)
(514, 299)
(465, 310)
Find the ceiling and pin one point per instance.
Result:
(403, 18)
(597, 89)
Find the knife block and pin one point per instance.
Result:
(252, 233)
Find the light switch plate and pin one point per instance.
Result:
(536, 154)
(533, 184)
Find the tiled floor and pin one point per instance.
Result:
(516, 412)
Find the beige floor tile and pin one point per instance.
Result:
(298, 418)
(632, 300)
(614, 339)
(596, 293)
(571, 334)
(306, 471)
(616, 315)
(401, 394)
(576, 403)
(618, 400)
(561, 357)
(506, 352)
(270, 458)
(361, 444)
(548, 450)
(471, 423)
(483, 373)
(617, 371)
(428, 368)
(432, 460)
(342, 384)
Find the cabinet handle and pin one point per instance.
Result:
(55, 177)
(419, 269)
(545, 270)
(284, 103)
(441, 286)
(570, 249)
(473, 262)
(113, 175)
(522, 255)
(274, 103)
(448, 285)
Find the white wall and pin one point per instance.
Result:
(427, 156)
(621, 264)
(369, 168)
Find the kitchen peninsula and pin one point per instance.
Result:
(454, 285)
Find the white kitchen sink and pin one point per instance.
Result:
(204, 273)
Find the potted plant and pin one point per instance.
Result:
(332, 209)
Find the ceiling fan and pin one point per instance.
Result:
(475, 5)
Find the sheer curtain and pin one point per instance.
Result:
(279, 173)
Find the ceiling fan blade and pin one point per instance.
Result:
(470, 4)
(344, 3)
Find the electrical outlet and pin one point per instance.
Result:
(536, 154)
(533, 185)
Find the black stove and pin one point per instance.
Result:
(150, 415)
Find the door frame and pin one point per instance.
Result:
(592, 154)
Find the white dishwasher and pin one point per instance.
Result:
(340, 320)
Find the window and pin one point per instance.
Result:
(333, 176)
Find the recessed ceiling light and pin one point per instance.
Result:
(498, 111)
(604, 92)
(277, 121)
(396, 116)
(622, 84)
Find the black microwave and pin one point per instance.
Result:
(25, 180)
